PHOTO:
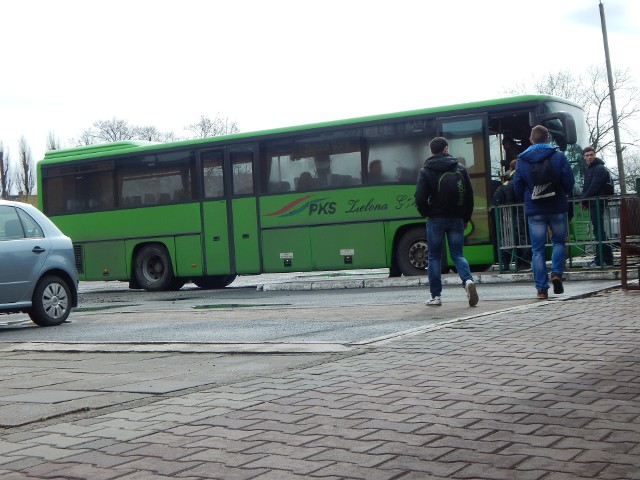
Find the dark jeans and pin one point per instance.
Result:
(597, 220)
(453, 230)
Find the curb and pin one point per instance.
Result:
(447, 279)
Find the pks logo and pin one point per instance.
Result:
(314, 206)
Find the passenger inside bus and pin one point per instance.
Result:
(406, 175)
(375, 172)
(322, 163)
(511, 151)
(306, 182)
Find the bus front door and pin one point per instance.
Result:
(467, 142)
(229, 212)
(243, 214)
(215, 226)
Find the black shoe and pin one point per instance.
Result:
(557, 284)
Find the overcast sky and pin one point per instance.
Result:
(266, 64)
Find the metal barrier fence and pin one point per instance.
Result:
(512, 231)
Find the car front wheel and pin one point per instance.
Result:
(51, 302)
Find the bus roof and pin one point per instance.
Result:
(139, 146)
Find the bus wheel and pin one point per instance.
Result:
(153, 270)
(214, 282)
(411, 252)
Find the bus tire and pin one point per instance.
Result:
(51, 301)
(153, 270)
(411, 252)
(214, 282)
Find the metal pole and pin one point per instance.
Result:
(614, 112)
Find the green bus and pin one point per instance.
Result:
(326, 196)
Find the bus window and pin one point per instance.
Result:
(242, 169)
(212, 163)
(81, 188)
(323, 161)
(154, 179)
(397, 151)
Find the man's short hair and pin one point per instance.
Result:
(437, 145)
(588, 149)
(539, 134)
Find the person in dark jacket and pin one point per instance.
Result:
(445, 217)
(548, 213)
(512, 223)
(596, 178)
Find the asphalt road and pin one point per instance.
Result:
(110, 314)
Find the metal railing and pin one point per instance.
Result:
(512, 231)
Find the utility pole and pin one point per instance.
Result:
(614, 112)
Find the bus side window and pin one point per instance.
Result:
(213, 186)
(213, 173)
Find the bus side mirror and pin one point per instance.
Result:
(558, 123)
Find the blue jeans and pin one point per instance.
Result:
(453, 228)
(538, 225)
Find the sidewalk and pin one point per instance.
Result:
(550, 392)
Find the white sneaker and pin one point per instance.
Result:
(472, 295)
(434, 302)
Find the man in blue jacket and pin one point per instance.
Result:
(596, 179)
(547, 213)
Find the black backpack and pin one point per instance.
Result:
(449, 192)
(608, 187)
(544, 180)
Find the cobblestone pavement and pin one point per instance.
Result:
(550, 391)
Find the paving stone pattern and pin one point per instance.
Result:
(551, 392)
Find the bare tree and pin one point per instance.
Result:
(562, 84)
(26, 172)
(597, 105)
(53, 142)
(6, 180)
(87, 137)
(207, 127)
(113, 130)
(632, 168)
(152, 134)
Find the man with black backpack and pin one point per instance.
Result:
(597, 183)
(544, 180)
(444, 195)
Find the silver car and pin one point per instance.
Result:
(37, 267)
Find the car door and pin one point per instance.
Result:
(23, 251)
